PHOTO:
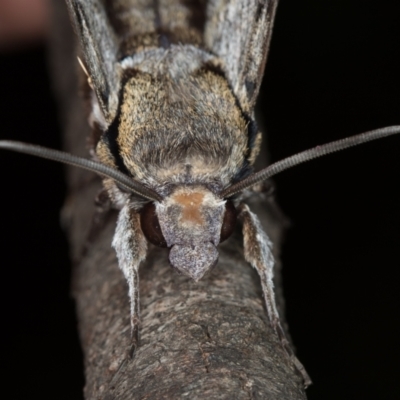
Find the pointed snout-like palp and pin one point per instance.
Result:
(194, 260)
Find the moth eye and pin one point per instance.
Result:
(229, 222)
(151, 226)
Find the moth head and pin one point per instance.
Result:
(191, 221)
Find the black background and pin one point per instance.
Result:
(333, 71)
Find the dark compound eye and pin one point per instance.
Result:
(229, 222)
(151, 226)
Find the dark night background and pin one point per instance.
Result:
(333, 71)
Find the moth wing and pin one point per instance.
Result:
(239, 32)
(100, 47)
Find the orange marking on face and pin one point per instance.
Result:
(190, 203)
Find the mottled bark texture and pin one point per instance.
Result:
(210, 339)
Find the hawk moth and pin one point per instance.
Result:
(240, 89)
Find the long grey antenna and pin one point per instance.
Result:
(308, 155)
(66, 158)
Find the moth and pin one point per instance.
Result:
(172, 89)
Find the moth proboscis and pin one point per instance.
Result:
(175, 106)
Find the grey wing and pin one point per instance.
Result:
(239, 32)
(100, 49)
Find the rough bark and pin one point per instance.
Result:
(210, 339)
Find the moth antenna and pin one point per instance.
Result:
(125, 181)
(308, 155)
